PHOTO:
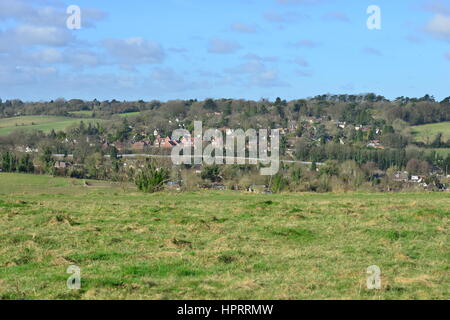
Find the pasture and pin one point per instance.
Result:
(427, 133)
(218, 245)
(43, 123)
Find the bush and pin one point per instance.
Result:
(278, 183)
(211, 173)
(151, 179)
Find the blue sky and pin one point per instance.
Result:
(251, 49)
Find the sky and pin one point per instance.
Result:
(243, 49)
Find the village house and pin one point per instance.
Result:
(139, 146)
(375, 144)
(62, 165)
(31, 150)
(341, 124)
(186, 142)
(106, 145)
(158, 141)
(401, 176)
(27, 149)
(166, 143)
(292, 126)
(119, 145)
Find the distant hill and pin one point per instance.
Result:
(44, 123)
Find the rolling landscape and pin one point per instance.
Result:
(224, 159)
(41, 123)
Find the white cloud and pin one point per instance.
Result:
(437, 7)
(302, 2)
(439, 26)
(253, 56)
(267, 79)
(47, 56)
(336, 16)
(301, 62)
(41, 35)
(44, 13)
(253, 66)
(372, 51)
(305, 44)
(82, 58)
(244, 28)
(220, 46)
(304, 73)
(135, 50)
(287, 17)
(167, 80)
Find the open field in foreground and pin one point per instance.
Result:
(218, 245)
(44, 123)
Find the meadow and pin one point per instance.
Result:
(43, 123)
(218, 245)
(426, 133)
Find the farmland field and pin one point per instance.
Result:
(128, 114)
(427, 133)
(44, 123)
(84, 113)
(218, 245)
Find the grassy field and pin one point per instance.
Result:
(128, 114)
(218, 245)
(85, 113)
(44, 123)
(444, 152)
(428, 132)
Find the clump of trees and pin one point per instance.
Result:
(151, 179)
(12, 163)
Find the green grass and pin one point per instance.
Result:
(89, 114)
(44, 123)
(84, 113)
(427, 133)
(218, 245)
(128, 114)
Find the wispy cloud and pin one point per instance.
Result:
(336, 16)
(301, 2)
(135, 50)
(439, 26)
(304, 73)
(286, 17)
(301, 62)
(437, 7)
(244, 28)
(372, 51)
(256, 57)
(305, 44)
(220, 46)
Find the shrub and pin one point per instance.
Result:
(278, 183)
(151, 179)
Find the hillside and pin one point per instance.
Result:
(44, 123)
(426, 133)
